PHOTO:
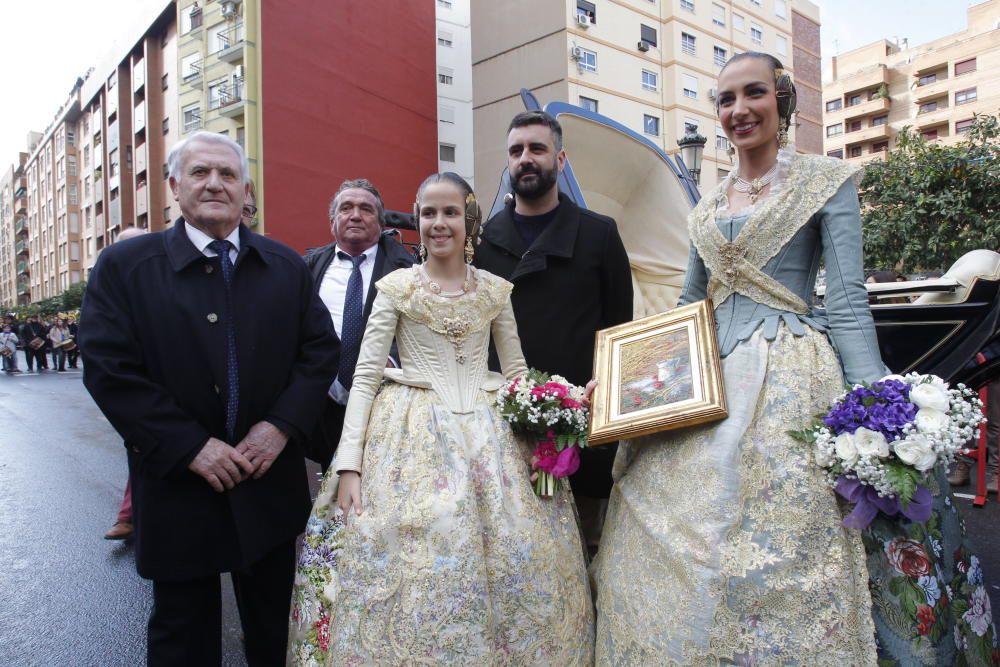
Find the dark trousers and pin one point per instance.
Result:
(323, 443)
(30, 356)
(185, 627)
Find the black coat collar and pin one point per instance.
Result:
(181, 252)
(557, 240)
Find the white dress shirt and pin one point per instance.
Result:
(201, 241)
(333, 292)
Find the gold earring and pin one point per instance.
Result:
(732, 153)
(469, 251)
(782, 133)
(422, 252)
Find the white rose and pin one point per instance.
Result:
(916, 451)
(870, 442)
(893, 376)
(846, 450)
(929, 395)
(930, 420)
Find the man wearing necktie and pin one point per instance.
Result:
(345, 273)
(213, 401)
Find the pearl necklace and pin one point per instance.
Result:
(435, 288)
(753, 188)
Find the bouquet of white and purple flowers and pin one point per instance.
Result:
(553, 410)
(879, 441)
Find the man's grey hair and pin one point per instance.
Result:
(175, 164)
(360, 184)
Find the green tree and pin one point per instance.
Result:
(72, 298)
(928, 204)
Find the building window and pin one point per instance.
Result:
(756, 35)
(588, 103)
(190, 66)
(688, 5)
(721, 174)
(781, 45)
(588, 60)
(163, 82)
(719, 55)
(446, 75)
(446, 152)
(190, 18)
(691, 124)
(880, 147)
(929, 135)
(688, 43)
(834, 105)
(719, 15)
(446, 114)
(650, 81)
(738, 23)
(690, 86)
(166, 215)
(853, 100)
(854, 126)
(587, 10)
(445, 39)
(446, 4)
(834, 130)
(928, 107)
(192, 117)
(651, 125)
(855, 151)
(963, 126)
(965, 66)
(965, 96)
(70, 138)
(779, 8)
(880, 120)
(927, 79)
(647, 34)
(721, 140)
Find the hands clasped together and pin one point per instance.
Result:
(224, 466)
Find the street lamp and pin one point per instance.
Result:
(692, 146)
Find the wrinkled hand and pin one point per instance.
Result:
(261, 446)
(220, 465)
(588, 392)
(349, 492)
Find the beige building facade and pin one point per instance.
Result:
(934, 88)
(651, 65)
(14, 270)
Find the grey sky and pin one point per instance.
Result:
(46, 44)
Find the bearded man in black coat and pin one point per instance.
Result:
(571, 278)
(213, 400)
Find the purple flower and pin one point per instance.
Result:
(883, 406)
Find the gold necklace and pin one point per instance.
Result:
(754, 187)
(435, 288)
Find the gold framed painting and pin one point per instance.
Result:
(655, 374)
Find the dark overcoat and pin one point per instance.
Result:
(153, 338)
(571, 282)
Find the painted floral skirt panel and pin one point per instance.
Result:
(454, 560)
(929, 599)
(723, 544)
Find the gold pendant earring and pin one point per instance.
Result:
(732, 153)
(782, 133)
(422, 253)
(469, 251)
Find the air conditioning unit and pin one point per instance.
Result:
(712, 94)
(576, 53)
(583, 21)
(229, 7)
(643, 46)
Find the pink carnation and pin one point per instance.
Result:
(556, 389)
(567, 462)
(512, 389)
(546, 455)
(571, 404)
(538, 392)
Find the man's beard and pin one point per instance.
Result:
(545, 180)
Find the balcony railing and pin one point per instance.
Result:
(192, 120)
(229, 38)
(22, 268)
(20, 225)
(21, 247)
(226, 94)
(23, 288)
(194, 72)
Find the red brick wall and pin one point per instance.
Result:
(809, 80)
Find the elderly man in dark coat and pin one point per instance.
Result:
(570, 272)
(208, 350)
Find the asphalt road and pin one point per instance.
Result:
(67, 596)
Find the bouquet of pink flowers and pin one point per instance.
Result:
(553, 410)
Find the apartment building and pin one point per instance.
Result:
(14, 271)
(652, 65)
(454, 88)
(935, 88)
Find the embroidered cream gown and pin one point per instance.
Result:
(723, 543)
(454, 560)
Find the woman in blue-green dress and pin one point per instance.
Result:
(724, 544)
